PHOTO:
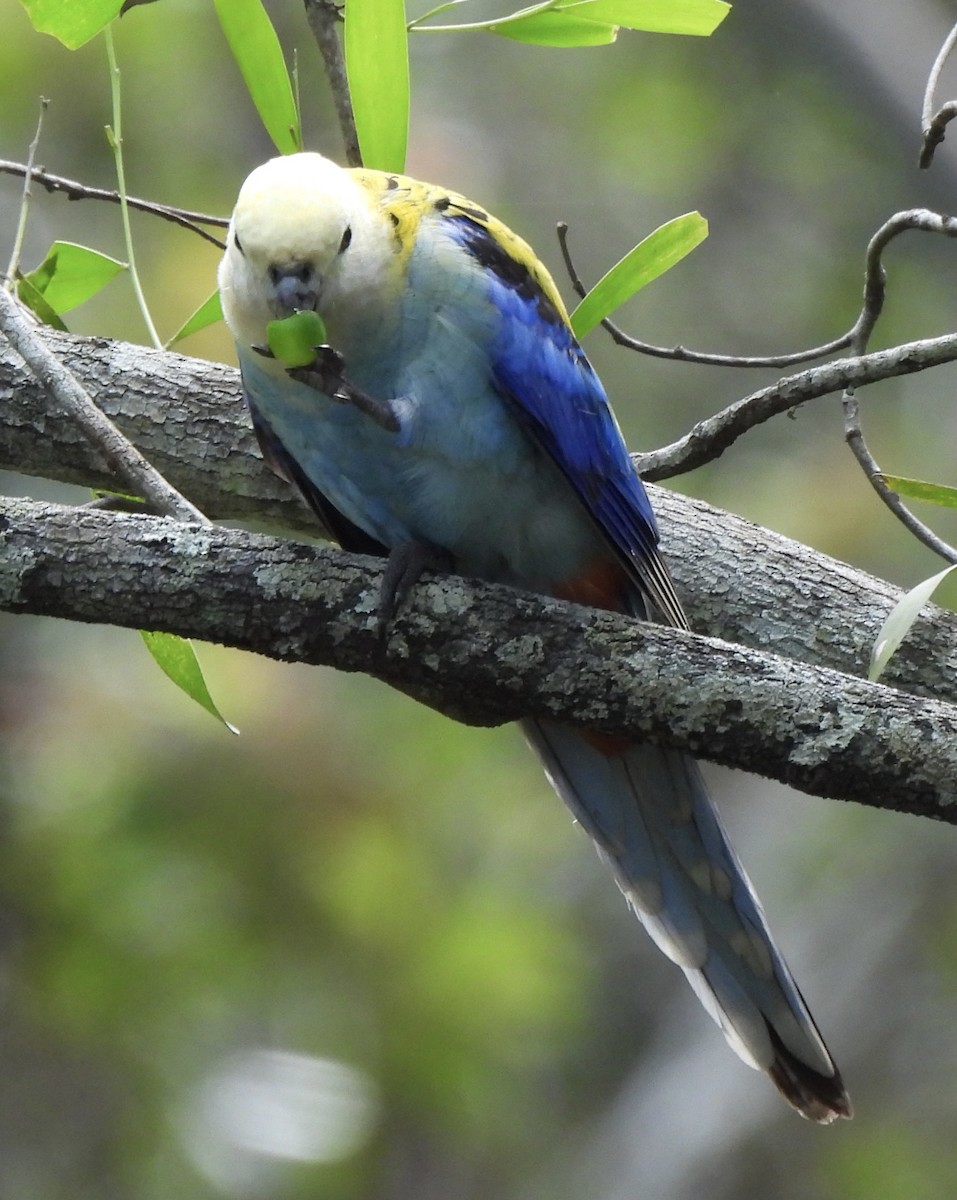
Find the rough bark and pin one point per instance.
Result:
(484, 654)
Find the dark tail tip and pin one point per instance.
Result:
(818, 1097)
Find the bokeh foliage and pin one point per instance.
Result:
(356, 881)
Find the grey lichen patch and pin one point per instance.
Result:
(447, 598)
(521, 653)
(367, 602)
(18, 563)
(834, 734)
(272, 580)
(190, 541)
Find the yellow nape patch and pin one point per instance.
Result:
(406, 201)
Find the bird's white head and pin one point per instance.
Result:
(294, 223)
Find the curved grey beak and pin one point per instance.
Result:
(296, 286)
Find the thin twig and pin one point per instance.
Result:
(120, 454)
(115, 136)
(14, 264)
(681, 353)
(924, 221)
(934, 133)
(875, 277)
(709, 439)
(324, 17)
(934, 124)
(74, 190)
(854, 437)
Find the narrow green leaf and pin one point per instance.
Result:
(176, 657)
(71, 274)
(258, 54)
(698, 17)
(71, 22)
(557, 28)
(377, 64)
(649, 259)
(293, 340)
(916, 489)
(902, 617)
(208, 313)
(34, 299)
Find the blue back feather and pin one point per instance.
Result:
(542, 372)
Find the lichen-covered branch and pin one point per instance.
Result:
(737, 581)
(487, 654)
(60, 386)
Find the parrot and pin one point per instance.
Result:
(452, 420)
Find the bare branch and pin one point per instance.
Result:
(120, 454)
(488, 654)
(80, 191)
(875, 281)
(324, 17)
(682, 353)
(14, 264)
(934, 133)
(711, 437)
(934, 124)
(854, 437)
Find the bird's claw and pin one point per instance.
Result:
(325, 374)
(403, 569)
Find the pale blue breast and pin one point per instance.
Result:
(461, 473)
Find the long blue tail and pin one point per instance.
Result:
(648, 811)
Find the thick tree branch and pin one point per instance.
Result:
(483, 654)
(488, 654)
(188, 418)
(135, 472)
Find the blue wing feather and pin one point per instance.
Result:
(543, 373)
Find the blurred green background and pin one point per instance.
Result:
(361, 952)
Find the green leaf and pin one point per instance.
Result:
(293, 340)
(176, 657)
(698, 17)
(72, 22)
(649, 259)
(71, 274)
(377, 64)
(258, 54)
(902, 617)
(557, 28)
(916, 489)
(32, 297)
(208, 313)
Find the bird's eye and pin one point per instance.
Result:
(346, 239)
(238, 244)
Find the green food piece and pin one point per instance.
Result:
(293, 340)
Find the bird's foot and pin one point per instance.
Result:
(325, 374)
(403, 569)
